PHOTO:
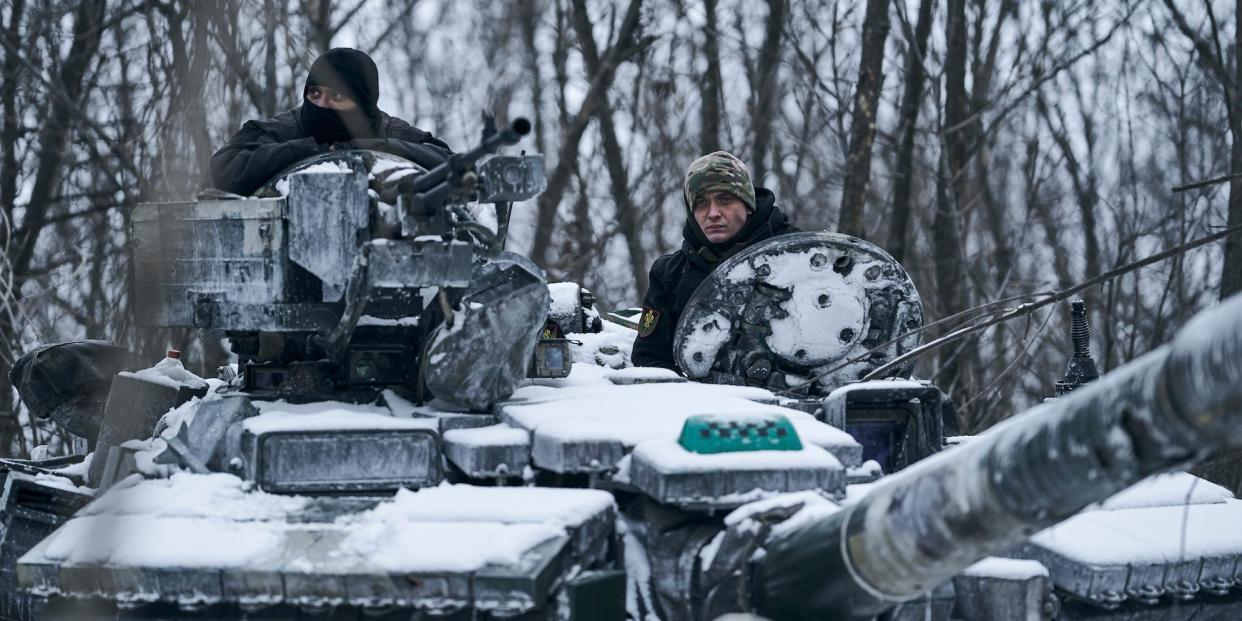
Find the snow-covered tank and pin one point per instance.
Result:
(614, 492)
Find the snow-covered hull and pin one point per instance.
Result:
(183, 544)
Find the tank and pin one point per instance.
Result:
(420, 426)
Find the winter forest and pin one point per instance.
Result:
(1002, 151)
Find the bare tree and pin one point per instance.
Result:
(709, 87)
(627, 211)
(862, 126)
(1214, 59)
(1081, 175)
(69, 88)
(1050, 160)
(1226, 467)
(322, 28)
(528, 14)
(628, 44)
(766, 82)
(952, 190)
(911, 102)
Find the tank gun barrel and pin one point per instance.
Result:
(462, 162)
(923, 525)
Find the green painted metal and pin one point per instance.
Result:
(712, 433)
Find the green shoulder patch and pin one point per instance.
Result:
(647, 324)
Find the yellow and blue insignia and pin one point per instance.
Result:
(647, 324)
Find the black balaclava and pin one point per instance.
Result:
(353, 73)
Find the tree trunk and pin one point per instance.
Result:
(1225, 468)
(54, 135)
(1231, 271)
(766, 88)
(8, 103)
(710, 86)
(53, 139)
(1083, 180)
(196, 111)
(626, 45)
(627, 211)
(9, 169)
(322, 25)
(529, 16)
(995, 212)
(946, 238)
(270, 83)
(862, 125)
(911, 102)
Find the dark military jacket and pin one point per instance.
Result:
(261, 149)
(674, 277)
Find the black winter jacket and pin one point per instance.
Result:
(674, 277)
(261, 149)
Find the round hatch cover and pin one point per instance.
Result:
(809, 311)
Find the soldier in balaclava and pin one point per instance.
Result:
(725, 213)
(338, 111)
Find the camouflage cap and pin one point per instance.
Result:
(719, 171)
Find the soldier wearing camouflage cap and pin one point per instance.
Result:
(725, 213)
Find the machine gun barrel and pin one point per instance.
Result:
(461, 162)
(922, 526)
